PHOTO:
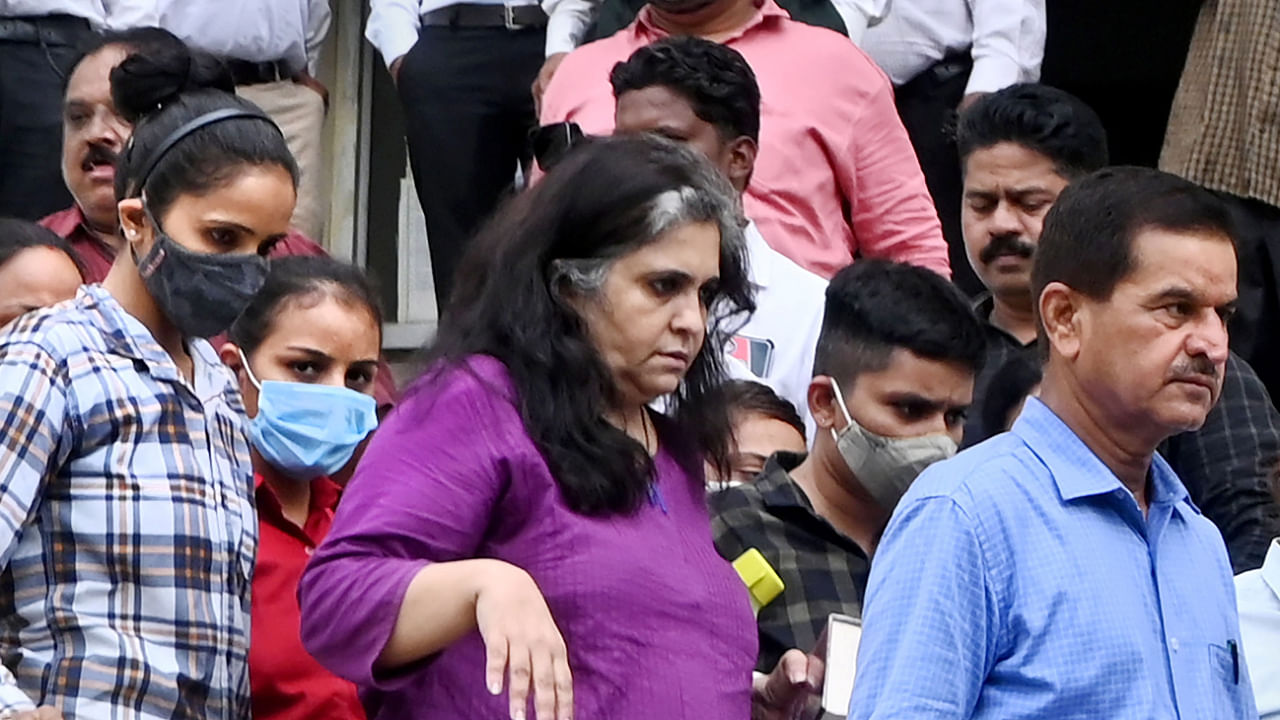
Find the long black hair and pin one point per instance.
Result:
(159, 89)
(510, 301)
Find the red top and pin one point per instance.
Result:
(287, 683)
(96, 258)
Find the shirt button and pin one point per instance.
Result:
(1173, 643)
(312, 551)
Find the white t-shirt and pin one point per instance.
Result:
(778, 342)
(1258, 599)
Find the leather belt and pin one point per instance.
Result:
(258, 73)
(512, 17)
(66, 30)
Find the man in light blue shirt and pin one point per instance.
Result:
(1060, 570)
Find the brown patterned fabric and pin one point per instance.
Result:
(1224, 129)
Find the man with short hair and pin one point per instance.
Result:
(1019, 148)
(836, 178)
(891, 383)
(704, 94)
(1061, 570)
(941, 56)
(93, 135)
(39, 41)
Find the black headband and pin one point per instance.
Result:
(189, 127)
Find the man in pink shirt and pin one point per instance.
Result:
(837, 176)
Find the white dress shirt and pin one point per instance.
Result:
(102, 14)
(393, 24)
(254, 30)
(1258, 599)
(778, 342)
(1005, 37)
(858, 15)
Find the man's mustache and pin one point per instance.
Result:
(1002, 245)
(100, 154)
(1197, 367)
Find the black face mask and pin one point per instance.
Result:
(201, 294)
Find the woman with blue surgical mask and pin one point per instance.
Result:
(306, 354)
(125, 475)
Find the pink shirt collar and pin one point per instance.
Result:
(645, 31)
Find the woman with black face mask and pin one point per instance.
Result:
(127, 527)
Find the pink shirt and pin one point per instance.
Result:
(836, 173)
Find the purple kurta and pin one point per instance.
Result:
(656, 623)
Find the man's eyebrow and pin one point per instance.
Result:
(914, 398)
(1179, 293)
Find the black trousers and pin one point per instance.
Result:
(1255, 329)
(927, 105)
(468, 115)
(32, 75)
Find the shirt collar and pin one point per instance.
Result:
(776, 488)
(644, 30)
(325, 493)
(127, 336)
(1271, 567)
(758, 254)
(1076, 470)
(983, 306)
(65, 222)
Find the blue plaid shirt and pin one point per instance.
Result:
(127, 528)
(1021, 580)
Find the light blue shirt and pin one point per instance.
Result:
(1021, 580)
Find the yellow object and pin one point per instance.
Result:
(761, 579)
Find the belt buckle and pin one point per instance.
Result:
(509, 17)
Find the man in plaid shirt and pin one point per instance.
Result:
(893, 377)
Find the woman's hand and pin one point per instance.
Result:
(791, 692)
(523, 645)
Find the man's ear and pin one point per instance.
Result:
(822, 402)
(741, 161)
(1060, 310)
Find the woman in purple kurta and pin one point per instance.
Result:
(522, 514)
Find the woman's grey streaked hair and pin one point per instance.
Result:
(709, 199)
(514, 299)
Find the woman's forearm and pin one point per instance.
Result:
(439, 607)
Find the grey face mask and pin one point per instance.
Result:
(886, 466)
(201, 294)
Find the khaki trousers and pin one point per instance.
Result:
(299, 111)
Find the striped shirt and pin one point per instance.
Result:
(127, 526)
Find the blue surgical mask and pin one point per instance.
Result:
(304, 430)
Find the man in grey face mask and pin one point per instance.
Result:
(893, 377)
